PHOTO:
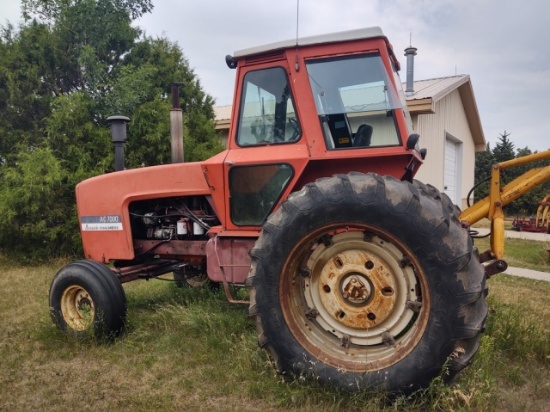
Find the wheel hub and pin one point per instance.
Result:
(358, 290)
(77, 307)
(83, 302)
(354, 295)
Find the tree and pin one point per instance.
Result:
(36, 217)
(504, 150)
(52, 10)
(25, 94)
(72, 64)
(143, 87)
(88, 39)
(527, 204)
(483, 162)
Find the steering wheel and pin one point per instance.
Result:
(295, 126)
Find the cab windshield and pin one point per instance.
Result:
(267, 114)
(355, 101)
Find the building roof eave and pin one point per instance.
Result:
(472, 114)
(421, 106)
(434, 90)
(222, 124)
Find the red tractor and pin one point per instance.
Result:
(358, 276)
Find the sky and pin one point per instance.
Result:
(502, 44)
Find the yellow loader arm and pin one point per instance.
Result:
(491, 206)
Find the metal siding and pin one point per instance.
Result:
(449, 117)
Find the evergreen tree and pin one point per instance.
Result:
(527, 204)
(504, 150)
(483, 162)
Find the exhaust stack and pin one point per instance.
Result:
(118, 137)
(176, 126)
(410, 52)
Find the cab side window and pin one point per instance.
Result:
(267, 114)
(255, 190)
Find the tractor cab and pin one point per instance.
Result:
(349, 80)
(311, 108)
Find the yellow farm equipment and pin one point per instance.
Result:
(491, 206)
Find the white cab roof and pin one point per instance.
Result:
(358, 34)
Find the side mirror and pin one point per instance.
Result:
(412, 140)
(230, 61)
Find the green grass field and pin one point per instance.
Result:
(188, 349)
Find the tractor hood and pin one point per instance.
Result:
(103, 202)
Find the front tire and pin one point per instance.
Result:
(86, 298)
(361, 281)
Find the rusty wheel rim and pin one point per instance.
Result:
(354, 297)
(198, 281)
(77, 308)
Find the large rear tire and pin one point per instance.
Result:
(361, 281)
(86, 298)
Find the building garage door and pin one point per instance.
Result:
(451, 170)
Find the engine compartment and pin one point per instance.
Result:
(176, 218)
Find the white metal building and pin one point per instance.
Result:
(444, 113)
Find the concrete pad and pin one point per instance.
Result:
(528, 273)
(512, 234)
(521, 272)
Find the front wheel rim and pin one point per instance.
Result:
(354, 297)
(77, 308)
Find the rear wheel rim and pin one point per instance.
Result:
(354, 297)
(77, 308)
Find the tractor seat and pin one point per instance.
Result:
(363, 136)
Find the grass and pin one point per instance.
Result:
(188, 349)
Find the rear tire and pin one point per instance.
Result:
(361, 281)
(86, 298)
(433, 192)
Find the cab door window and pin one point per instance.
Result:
(267, 114)
(254, 191)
